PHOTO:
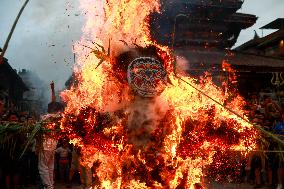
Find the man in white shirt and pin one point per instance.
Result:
(46, 163)
(46, 158)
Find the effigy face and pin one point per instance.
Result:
(147, 76)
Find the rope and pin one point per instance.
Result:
(233, 112)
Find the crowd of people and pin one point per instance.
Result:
(265, 166)
(60, 161)
(15, 171)
(52, 159)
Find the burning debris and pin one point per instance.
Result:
(141, 123)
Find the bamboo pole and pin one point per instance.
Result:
(273, 136)
(12, 31)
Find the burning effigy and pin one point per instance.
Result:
(140, 120)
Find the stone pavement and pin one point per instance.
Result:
(234, 186)
(210, 186)
(57, 186)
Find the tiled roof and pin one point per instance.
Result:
(209, 59)
(262, 42)
(275, 24)
(7, 70)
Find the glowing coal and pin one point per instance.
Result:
(144, 124)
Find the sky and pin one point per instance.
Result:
(266, 11)
(42, 41)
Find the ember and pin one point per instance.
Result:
(142, 122)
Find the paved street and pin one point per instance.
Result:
(211, 186)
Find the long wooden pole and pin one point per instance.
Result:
(267, 133)
(12, 31)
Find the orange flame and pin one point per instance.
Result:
(125, 22)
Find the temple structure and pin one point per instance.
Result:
(271, 45)
(195, 23)
(203, 33)
(19, 92)
(35, 99)
(12, 86)
(266, 68)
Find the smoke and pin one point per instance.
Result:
(182, 64)
(43, 39)
(145, 116)
(43, 11)
(37, 95)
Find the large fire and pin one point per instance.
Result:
(170, 138)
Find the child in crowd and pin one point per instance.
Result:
(63, 153)
(256, 166)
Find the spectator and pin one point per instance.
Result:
(63, 153)
(2, 109)
(74, 163)
(46, 160)
(278, 161)
(272, 110)
(255, 99)
(12, 117)
(32, 163)
(256, 166)
(86, 176)
(13, 166)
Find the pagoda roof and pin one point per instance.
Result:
(262, 42)
(212, 60)
(275, 24)
(244, 20)
(211, 3)
(9, 72)
(258, 63)
(274, 37)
